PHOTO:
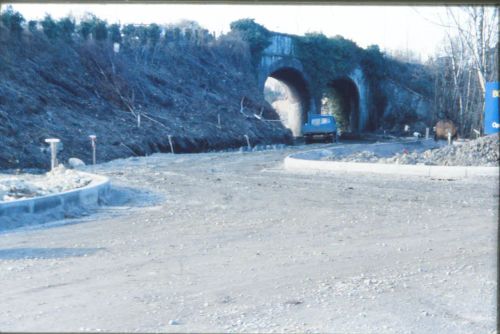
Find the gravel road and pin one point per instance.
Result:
(221, 242)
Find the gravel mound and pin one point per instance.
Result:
(483, 151)
(363, 156)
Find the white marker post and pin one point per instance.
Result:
(248, 142)
(171, 145)
(53, 152)
(449, 137)
(426, 133)
(93, 143)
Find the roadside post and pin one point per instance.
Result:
(53, 152)
(491, 112)
(93, 143)
(426, 133)
(248, 142)
(171, 145)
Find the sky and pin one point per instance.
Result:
(391, 27)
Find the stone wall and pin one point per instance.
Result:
(402, 100)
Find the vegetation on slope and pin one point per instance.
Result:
(65, 79)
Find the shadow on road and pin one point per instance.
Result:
(45, 253)
(115, 203)
(131, 197)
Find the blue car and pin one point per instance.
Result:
(323, 126)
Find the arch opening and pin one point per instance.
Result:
(287, 92)
(341, 99)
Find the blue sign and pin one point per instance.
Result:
(491, 113)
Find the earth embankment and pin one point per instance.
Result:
(203, 96)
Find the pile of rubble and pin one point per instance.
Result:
(29, 185)
(363, 156)
(483, 151)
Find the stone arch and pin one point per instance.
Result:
(350, 90)
(290, 72)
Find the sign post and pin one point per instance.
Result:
(92, 142)
(491, 113)
(53, 152)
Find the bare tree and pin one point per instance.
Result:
(478, 31)
(469, 59)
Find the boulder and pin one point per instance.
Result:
(75, 163)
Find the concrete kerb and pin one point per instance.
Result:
(87, 196)
(309, 160)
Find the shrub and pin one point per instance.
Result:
(100, 31)
(326, 58)
(233, 47)
(32, 26)
(169, 35)
(188, 24)
(49, 27)
(128, 32)
(66, 28)
(132, 33)
(114, 33)
(177, 34)
(374, 62)
(12, 20)
(86, 27)
(187, 34)
(256, 35)
(153, 33)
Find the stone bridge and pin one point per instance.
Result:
(279, 61)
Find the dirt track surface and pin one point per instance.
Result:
(222, 242)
